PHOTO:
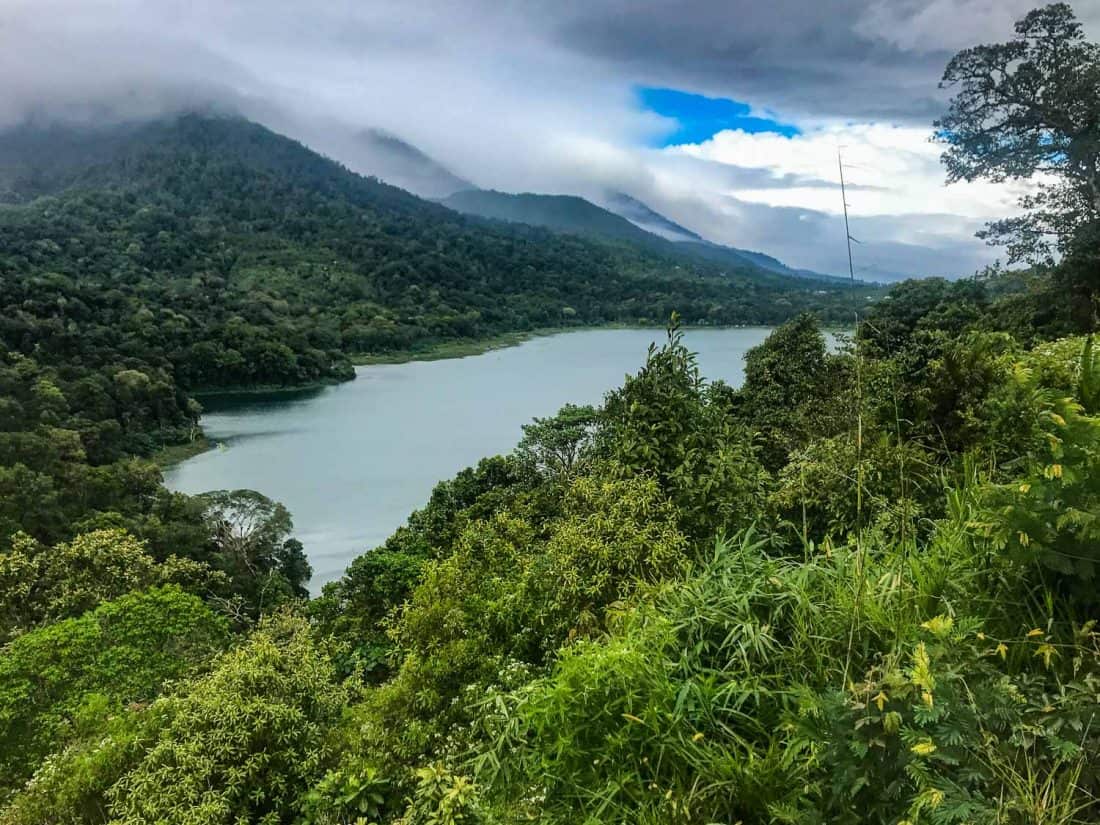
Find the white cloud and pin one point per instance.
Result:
(893, 170)
(523, 96)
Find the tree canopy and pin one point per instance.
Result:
(1028, 107)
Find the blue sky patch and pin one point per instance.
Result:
(702, 117)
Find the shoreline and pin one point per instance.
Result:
(168, 457)
(173, 454)
(260, 389)
(464, 348)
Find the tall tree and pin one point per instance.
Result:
(1031, 107)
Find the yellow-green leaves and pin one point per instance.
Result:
(925, 747)
(921, 671)
(940, 626)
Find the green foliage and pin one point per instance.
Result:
(818, 491)
(251, 545)
(963, 727)
(552, 638)
(1050, 511)
(354, 608)
(40, 584)
(556, 446)
(662, 422)
(57, 681)
(668, 719)
(1022, 107)
(342, 794)
(442, 798)
(1028, 106)
(514, 591)
(71, 786)
(1088, 382)
(242, 743)
(947, 407)
(921, 306)
(792, 390)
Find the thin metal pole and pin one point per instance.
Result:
(847, 230)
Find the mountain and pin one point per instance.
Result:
(641, 215)
(574, 215)
(774, 265)
(647, 218)
(228, 255)
(397, 162)
(561, 213)
(638, 224)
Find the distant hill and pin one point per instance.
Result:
(641, 215)
(397, 162)
(228, 255)
(562, 213)
(647, 218)
(639, 224)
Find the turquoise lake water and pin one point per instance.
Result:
(352, 461)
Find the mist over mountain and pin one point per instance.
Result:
(641, 215)
(263, 211)
(562, 213)
(576, 215)
(398, 162)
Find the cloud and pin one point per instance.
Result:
(860, 60)
(518, 95)
(900, 162)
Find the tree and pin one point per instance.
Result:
(244, 742)
(62, 679)
(40, 584)
(792, 390)
(556, 445)
(668, 422)
(1032, 106)
(251, 535)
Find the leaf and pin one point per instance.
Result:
(924, 748)
(939, 626)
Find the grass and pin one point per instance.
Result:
(166, 457)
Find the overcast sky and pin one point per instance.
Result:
(552, 96)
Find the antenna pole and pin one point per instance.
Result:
(847, 230)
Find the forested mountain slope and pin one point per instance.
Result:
(625, 219)
(562, 213)
(141, 263)
(213, 223)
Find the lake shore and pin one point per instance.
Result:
(464, 348)
(173, 454)
(352, 462)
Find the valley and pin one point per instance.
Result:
(330, 501)
(353, 461)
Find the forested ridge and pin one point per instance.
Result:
(861, 587)
(238, 237)
(141, 263)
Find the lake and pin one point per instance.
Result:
(352, 461)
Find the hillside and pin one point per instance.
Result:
(855, 586)
(642, 215)
(401, 164)
(145, 263)
(626, 219)
(220, 221)
(561, 213)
